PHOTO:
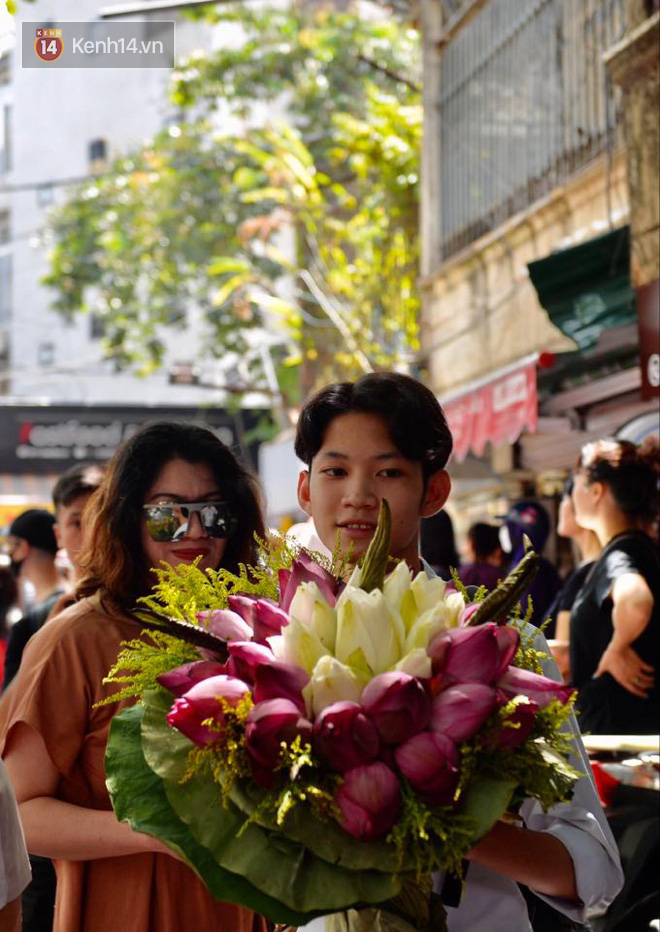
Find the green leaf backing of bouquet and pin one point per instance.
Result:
(139, 798)
(286, 870)
(367, 864)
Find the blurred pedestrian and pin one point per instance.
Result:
(615, 621)
(31, 546)
(71, 493)
(438, 544)
(172, 493)
(588, 547)
(8, 600)
(530, 519)
(484, 556)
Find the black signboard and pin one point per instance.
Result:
(51, 438)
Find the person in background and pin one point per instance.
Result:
(438, 545)
(615, 621)
(483, 550)
(8, 600)
(31, 546)
(589, 548)
(71, 493)
(14, 864)
(530, 519)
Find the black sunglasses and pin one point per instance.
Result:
(169, 520)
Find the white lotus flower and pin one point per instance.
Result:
(331, 681)
(313, 612)
(370, 632)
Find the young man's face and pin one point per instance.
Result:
(69, 529)
(357, 466)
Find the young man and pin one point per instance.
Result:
(71, 493)
(385, 436)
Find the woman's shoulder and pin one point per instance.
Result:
(634, 552)
(89, 619)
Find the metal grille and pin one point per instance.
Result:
(525, 103)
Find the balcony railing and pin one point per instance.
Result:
(525, 103)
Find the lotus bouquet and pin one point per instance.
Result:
(311, 746)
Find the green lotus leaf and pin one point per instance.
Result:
(166, 751)
(282, 868)
(484, 803)
(138, 797)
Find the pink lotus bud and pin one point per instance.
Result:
(225, 624)
(466, 655)
(541, 689)
(460, 711)
(508, 640)
(397, 704)
(204, 701)
(518, 726)
(469, 612)
(280, 680)
(344, 737)
(304, 569)
(268, 725)
(183, 678)
(270, 620)
(263, 615)
(369, 800)
(430, 762)
(245, 657)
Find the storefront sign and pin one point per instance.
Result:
(494, 412)
(51, 438)
(648, 310)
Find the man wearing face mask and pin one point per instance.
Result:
(31, 547)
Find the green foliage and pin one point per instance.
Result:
(140, 662)
(196, 217)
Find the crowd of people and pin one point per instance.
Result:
(175, 493)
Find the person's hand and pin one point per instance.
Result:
(562, 654)
(628, 669)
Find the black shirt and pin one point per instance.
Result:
(605, 706)
(21, 633)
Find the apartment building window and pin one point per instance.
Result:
(6, 272)
(45, 195)
(5, 227)
(46, 354)
(96, 327)
(5, 141)
(525, 103)
(5, 68)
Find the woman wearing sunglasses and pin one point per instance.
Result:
(172, 493)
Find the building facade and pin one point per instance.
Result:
(527, 161)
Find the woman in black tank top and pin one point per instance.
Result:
(615, 621)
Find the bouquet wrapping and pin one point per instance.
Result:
(313, 747)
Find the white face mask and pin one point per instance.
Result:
(505, 539)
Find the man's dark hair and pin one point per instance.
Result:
(81, 479)
(415, 421)
(485, 539)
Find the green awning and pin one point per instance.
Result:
(586, 289)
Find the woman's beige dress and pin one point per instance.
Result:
(54, 693)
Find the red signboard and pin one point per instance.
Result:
(495, 412)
